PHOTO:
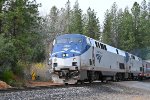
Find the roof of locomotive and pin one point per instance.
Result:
(70, 35)
(113, 49)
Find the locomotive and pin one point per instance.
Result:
(78, 58)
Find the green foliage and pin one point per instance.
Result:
(91, 25)
(7, 53)
(67, 16)
(7, 76)
(69, 20)
(54, 18)
(145, 53)
(76, 25)
(18, 69)
(111, 26)
(20, 41)
(127, 30)
(107, 29)
(126, 36)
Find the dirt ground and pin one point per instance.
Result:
(145, 85)
(4, 85)
(35, 83)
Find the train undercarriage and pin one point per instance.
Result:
(76, 76)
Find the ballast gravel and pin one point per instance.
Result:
(96, 91)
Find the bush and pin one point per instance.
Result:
(7, 76)
(10, 78)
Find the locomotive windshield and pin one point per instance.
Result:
(70, 44)
(68, 40)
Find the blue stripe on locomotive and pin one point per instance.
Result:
(70, 49)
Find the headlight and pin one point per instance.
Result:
(65, 55)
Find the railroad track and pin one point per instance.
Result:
(15, 89)
(94, 91)
(30, 88)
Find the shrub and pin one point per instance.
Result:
(7, 76)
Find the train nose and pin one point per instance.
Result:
(72, 63)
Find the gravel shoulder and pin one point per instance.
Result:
(96, 91)
(143, 85)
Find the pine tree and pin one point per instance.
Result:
(114, 25)
(107, 29)
(62, 21)
(136, 20)
(126, 33)
(91, 28)
(1, 15)
(68, 11)
(149, 10)
(76, 19)
(53, 19)
(110, 32)
(144, 24)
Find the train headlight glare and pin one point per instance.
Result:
(66, 55)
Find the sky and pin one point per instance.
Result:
(99, 6)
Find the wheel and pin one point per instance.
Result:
(90, 76)
(114, 79)
(80, 82)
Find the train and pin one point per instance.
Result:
(78, 58)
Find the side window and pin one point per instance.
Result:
(90, 61)
(141, 68)
(133, 57)
(117, 51)
(139, 59)
(88, 41)
(121, 66)
(129, 67)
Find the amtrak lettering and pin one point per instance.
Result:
(99, 56)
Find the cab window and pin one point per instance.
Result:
(68, 40)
